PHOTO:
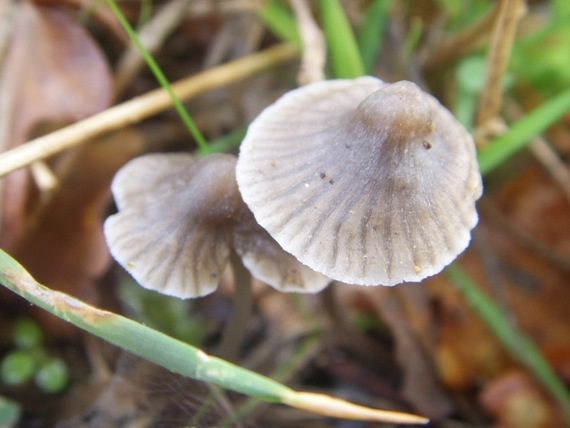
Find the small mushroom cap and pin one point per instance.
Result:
(367, 182)
(172, 231)
(179, 218)
(269, 263)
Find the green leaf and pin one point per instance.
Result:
(10, 413)
(343, 49)
(521, 132)
(227, 142)
(280, 21)
(371, 32)
(52, 376)
(17, 367)
(27, 334)
(178, 356)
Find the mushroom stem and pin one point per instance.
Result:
(333, 309)
(345, 334)
(236, 327)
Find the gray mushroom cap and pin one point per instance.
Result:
(179, 217)
(367, 182)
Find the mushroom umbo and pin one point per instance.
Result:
(180, 217)
(367, 182)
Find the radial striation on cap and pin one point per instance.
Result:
(173, 228)
(179, 217)
(367, 182)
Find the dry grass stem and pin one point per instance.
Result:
(461, 44)
(314, 45)
(142, 107)
(202, 8)
(502, 38)
(240, 35)
(44, 177)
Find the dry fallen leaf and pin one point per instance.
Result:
(53, 74)
(516, 401)
(420, 383)
(65, 249)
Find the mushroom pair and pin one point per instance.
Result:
(361, 181)
(179, 220)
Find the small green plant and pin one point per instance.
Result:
(29, 359)
(10, 413)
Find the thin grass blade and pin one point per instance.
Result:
(178, 356)
(516, 343)
(343, 49)
(370, 33)
(280, 21)
(521, 132)
(192, 128)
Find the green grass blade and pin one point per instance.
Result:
(178, 356)
(343, 49)
(306, 347)
(194, 131)
(138, 339)
(227, 142)
(516, 343)
(371, 32)
(280, 22)
(520, 133)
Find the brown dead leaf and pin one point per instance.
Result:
(530, 287)
(65, 249)
(53, 73)
(420, 384)
(98, 10)
(516, 401)
(466, 352)
(539, 289)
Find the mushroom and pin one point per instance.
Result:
(179, 220)
(364, 181)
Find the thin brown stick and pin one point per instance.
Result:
(502, 39)
(542, 150)
(314, 46)
(498, 220)
(427, 395)
(461, 44)
(142, 107)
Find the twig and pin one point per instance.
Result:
(462, 43)
(345, 334)
(524, 239)
(200, 9)
(240, 35)
(427, 395)
(46, 181)
(7, 12)
(502, 39)
(142, 107)
(314, 46)
(542, 150)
